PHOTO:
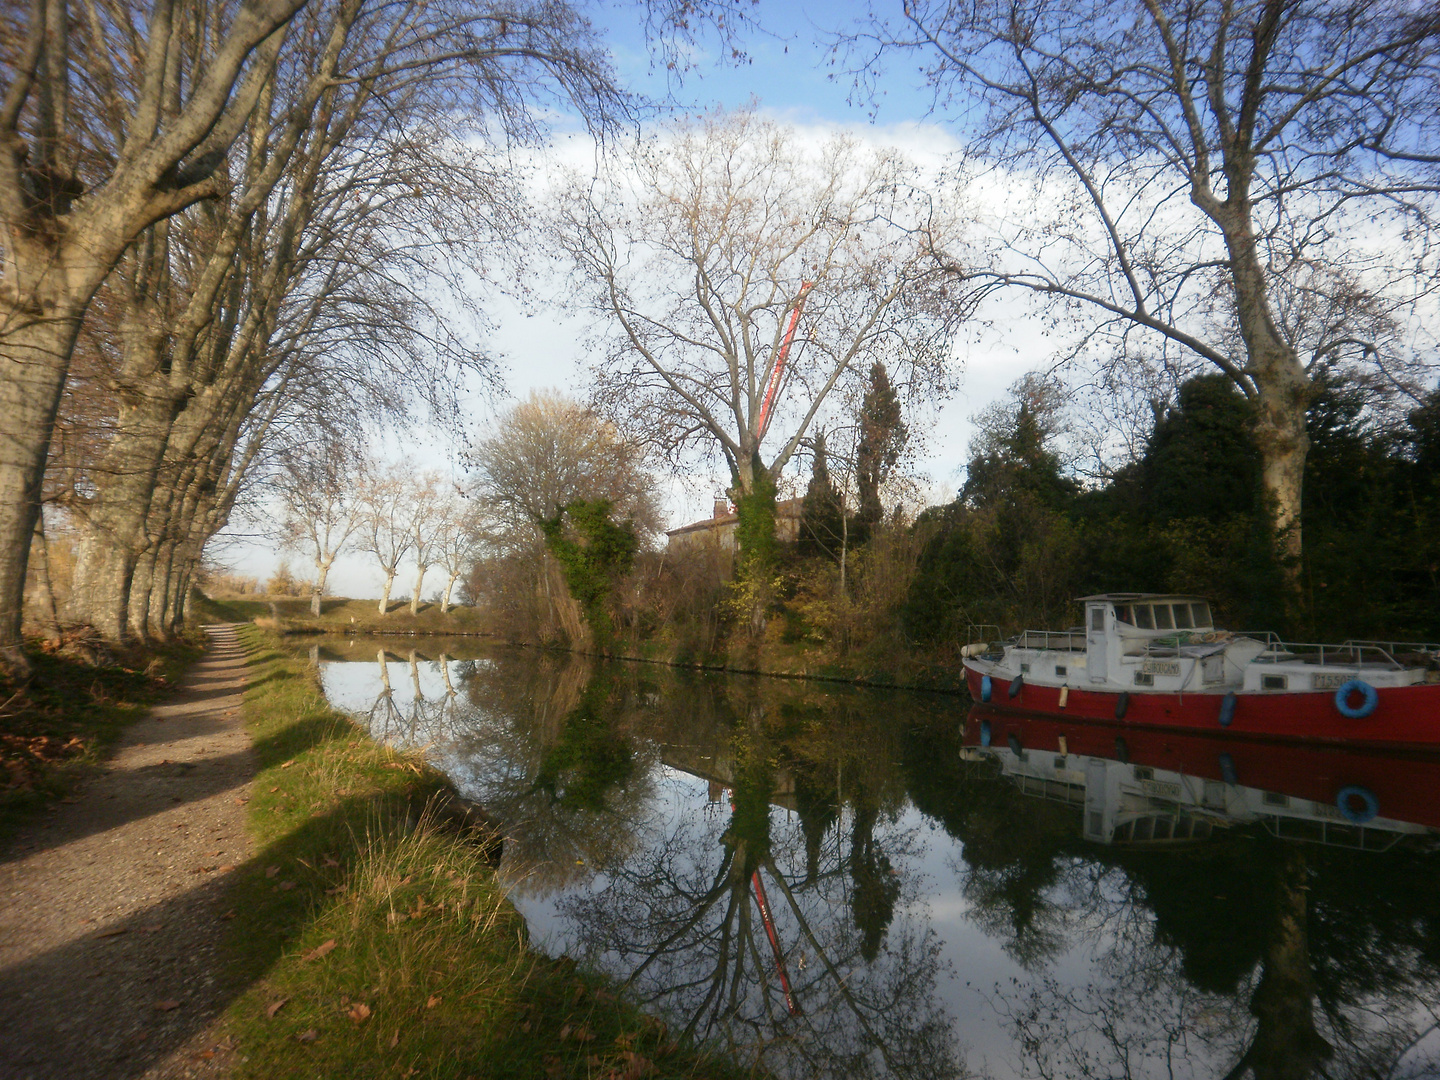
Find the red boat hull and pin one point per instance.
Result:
(1405, 716)
(1405, 785)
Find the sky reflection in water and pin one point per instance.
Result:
(938, 908)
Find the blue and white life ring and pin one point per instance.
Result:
(1367, 812)
(1369, 698)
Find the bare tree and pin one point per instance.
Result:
(546, 453)
(88, 164)
(385, 525)
(719, 240)
(459, 542)
(322, 508)
(1247, 185)
(426, 524)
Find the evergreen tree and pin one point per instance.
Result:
(821, 523)
(882, 438)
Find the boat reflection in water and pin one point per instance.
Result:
(1145, 787)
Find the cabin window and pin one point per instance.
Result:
(1060, 762)
(1143, 773)
(1201, 612)
(1024, 669)
(1162, 617)
(1274, 798)
(1097, 618)
(1144, 678)
(1272, 682)
(1142, 617)
(1060, 670)
(1182, 617)
(1124, 614)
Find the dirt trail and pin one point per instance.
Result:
(111, 907)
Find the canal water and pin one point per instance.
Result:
(831, 881)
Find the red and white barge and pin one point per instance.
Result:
(1157, 660)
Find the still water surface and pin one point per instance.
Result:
(840, 882)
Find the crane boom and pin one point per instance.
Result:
(772, 385)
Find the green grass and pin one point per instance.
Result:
(429, 974)
(57, 726)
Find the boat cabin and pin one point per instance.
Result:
(1168, 642)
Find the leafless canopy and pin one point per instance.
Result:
(697, 253)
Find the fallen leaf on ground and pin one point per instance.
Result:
(166, 1006)
(320, 950)
(579, 1034)
(359, 1012)
(203, 1055)
(286, 886)
(274, 1007)
(114, 931)
(308, 1036)
(271, 871)
(273, 790)
(636, 1065)
(226, 868)
(433, 1000)
(395, 1039)
(288, 763)
(328, 861)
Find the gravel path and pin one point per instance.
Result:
(111, 907)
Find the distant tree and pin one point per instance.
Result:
(883, 435)
(461, 538)
(322, 505)
(426, 525)
(822, 519)
(385, 529)
(594, 551)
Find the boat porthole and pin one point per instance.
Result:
(1122, 704)
(1227, 769)
(1122, 750)
(1369, 698)
(1016, 684)
(984, 732)
(1368, 809)
(1227, 708)
(1014, 741)
(987, 688)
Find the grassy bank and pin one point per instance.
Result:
(376, 941)
(58, 724)
(291, 615)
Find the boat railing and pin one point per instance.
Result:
(1072, 640)
(1350, 654)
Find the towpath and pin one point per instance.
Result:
(112, 906)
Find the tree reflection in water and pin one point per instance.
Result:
(1244, 956)
(680, 922)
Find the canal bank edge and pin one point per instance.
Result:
(373, 938)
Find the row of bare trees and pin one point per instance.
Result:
(333, 502)
(226, 227)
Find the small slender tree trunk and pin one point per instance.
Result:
(322, 571)
(415, 598)
(47, 614)
(385, 596)
(449, 588)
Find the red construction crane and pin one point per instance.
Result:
(778, 369)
